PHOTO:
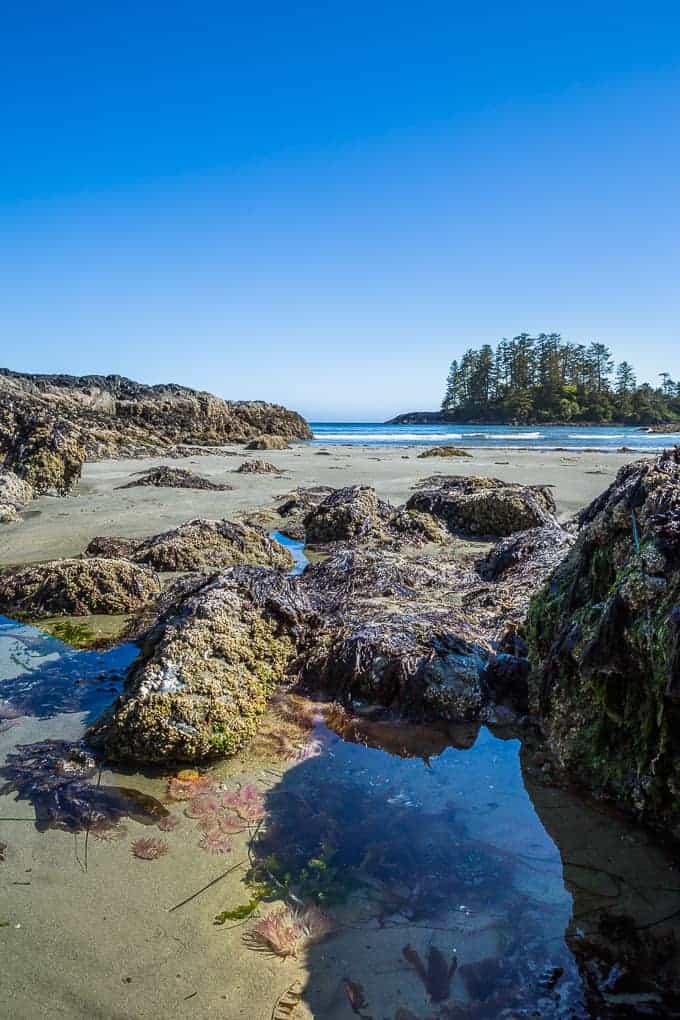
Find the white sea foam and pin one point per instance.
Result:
(596, 435)
(389, 436)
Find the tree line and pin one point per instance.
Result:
(546, 379)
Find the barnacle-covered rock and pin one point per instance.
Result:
(207, 670)
(346, 515)
(604, 638)
(199, 545)
(15, 492)
(258, 467)
(484, 506)
(538, 549)
(75, 587)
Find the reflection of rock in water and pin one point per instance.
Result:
(56, 776)
(625, 928)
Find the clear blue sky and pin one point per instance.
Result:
(322, 204)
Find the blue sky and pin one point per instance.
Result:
(323, 204)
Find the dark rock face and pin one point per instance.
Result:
(604, 645)
(77, 588)
(174, 478)
(198, 545)
(344, 515)
(539, 548)
(485, 506)
(208, 668)
(49, 425)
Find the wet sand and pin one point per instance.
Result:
(55, 527)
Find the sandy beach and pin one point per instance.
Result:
(55, 527)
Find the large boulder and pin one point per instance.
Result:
(604, 637)
(198, 545)
(207, 669)
(268, 443)
(536, 550)
(14, 494)
(346, 515)
(484, 507)
(74, 587)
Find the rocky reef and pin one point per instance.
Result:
(207, 669)
(50, 424)
(604, 640)
(198, 544)
(75, 587)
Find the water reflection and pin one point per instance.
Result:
(40, 676)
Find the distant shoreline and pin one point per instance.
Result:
(437, 418)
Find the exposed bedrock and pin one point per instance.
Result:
(199, 544)
(76, 587)
(484, 507)
(207, 669)
(604, 636)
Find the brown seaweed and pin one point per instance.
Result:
(438, 974)
(57, 778)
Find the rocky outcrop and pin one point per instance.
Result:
(198, 545)
(207, 669)
(604, 638)
(444, 451)
(75, 587)
(50, 424)
(539, 549)
(484, 507)
(165, 477)
(268, 443)
(15, 493)
(258, 467)
(345, 515)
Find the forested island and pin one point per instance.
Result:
(545, 379)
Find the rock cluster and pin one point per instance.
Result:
(74, 587)
(258, 467)
(484, 507)
(49, 425)
(198, 544)
(604, 639)
(274, 442)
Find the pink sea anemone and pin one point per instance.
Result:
(205, 804)
(215, 842)
(169, 823)
(149, 849)
(226, 823)
(248, 803)
(106, 831)
(287, 932)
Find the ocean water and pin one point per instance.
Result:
(568, 437)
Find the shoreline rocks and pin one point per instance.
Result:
(165, 477)
(15, 493)
(51, 424)
(75, 587)
(482, 507)
(605, 648)
(198, 544)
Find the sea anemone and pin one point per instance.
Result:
(169, 823)
(188, 784)
(287, 932)
(248, 803)
(226, 823)
(106, 831)
(149, 849)
(204, 805)
(215, 842)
